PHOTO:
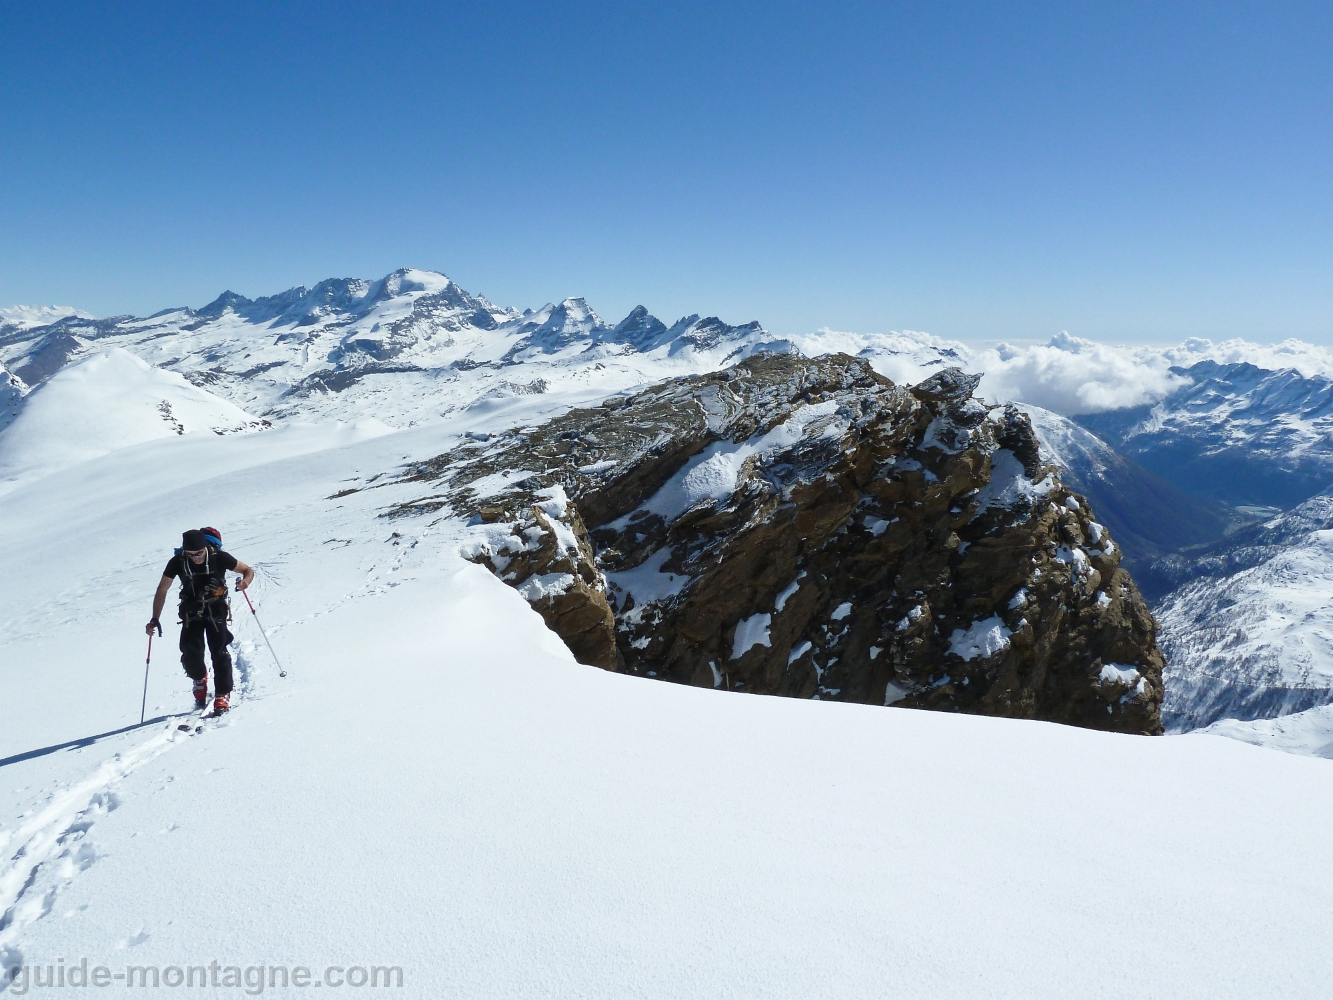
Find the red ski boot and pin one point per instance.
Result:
(201, 692)
(221, 704)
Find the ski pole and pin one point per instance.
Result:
(144, 704)
(281, 672)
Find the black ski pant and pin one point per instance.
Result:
(218, 636)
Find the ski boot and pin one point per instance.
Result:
(221, 704)
(201, 692)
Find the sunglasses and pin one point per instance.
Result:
(194, 552)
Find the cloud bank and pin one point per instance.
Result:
(1067, 374)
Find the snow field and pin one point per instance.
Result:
(544, 829)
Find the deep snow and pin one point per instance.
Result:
(437, 785)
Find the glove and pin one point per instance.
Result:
(154, 624)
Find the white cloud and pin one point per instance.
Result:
(1070, 375)
(1308, 359)
(1067, 374)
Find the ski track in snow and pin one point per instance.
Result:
(51, 846)
(49, 849)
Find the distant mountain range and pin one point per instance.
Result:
(1167, 476)
(1235, 433)
(323, 351)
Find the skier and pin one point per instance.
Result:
(202, 567)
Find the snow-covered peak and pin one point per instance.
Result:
(640, 329)
(104, 402)
(555, 327)
(412, 279)
(1069, 446)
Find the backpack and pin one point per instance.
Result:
(214, 539)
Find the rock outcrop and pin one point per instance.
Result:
(807, 528)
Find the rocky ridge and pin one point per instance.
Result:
(12, 391)
(807, 528)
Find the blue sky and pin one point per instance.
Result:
(1125, 172)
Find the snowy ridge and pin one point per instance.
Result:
(27, 317)
(12, 391)
(1309, 732)
(104, 402)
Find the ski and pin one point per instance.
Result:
(197, 723)
(196, 719)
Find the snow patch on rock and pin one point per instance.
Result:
(982, 639)
(750, 632)
(1009, 483)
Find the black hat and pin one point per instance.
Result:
(193, 540)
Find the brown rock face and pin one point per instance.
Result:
(544, 551)
(807, 528)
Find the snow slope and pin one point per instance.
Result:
(106, 401)
(1249, 634)
(1309, 732)
(438, 786)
